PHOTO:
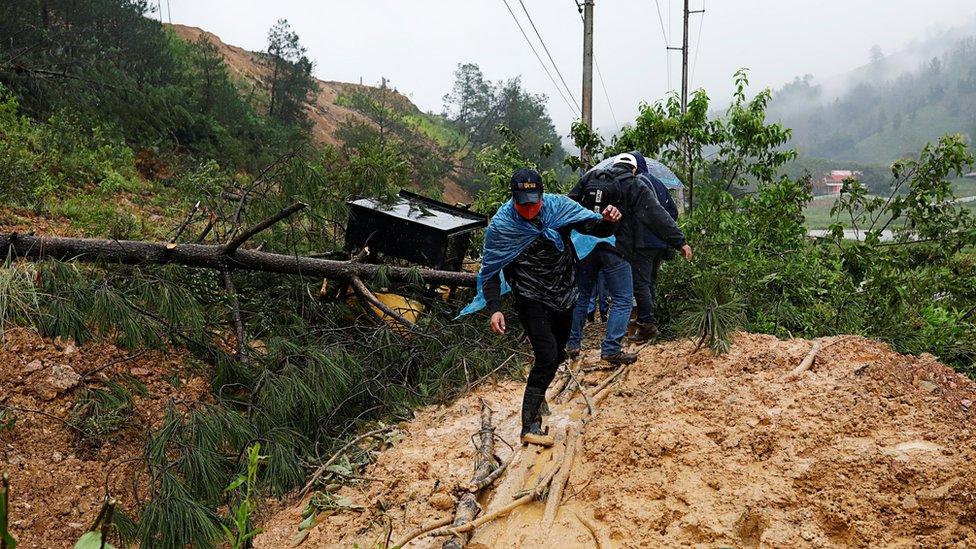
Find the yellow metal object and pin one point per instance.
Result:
(409, 308)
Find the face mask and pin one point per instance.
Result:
(529, 211)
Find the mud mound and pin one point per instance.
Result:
(868, 448)
(58, 481)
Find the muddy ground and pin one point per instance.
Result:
(867, 449)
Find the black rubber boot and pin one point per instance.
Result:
(532, 431)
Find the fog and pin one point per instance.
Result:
(417, 45)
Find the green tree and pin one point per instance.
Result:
(290, 80)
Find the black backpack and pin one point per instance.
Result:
(599, 191)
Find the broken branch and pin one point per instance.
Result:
(366, 294)
(322, 469)
(136, 252)
(807, 361)
(232, 246)
(467, 507)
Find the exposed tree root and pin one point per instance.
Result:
(807, 361)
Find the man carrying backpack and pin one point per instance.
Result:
(618, 186)
(648, 256)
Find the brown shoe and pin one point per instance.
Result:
(622, 357)
(644, 332)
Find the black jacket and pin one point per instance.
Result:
(542, 272)
(640, 208)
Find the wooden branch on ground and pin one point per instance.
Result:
(135, 252)
(245, 235)
(806, 362)
(417, 532)
(322, 469)
(467, 506)
(492, 477)
(365, 293)
(559, 480)
(579, 383)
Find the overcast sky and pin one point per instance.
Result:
(418, 44)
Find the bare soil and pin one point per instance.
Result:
(58, 481)
(869, 448)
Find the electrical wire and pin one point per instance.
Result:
(551, 60)
(694, 64)
(541, 62)
(664, 36)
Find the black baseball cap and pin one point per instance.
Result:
(526, 186)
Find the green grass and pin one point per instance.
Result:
(436, 128)
(964, 186)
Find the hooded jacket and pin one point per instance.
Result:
(640, 208)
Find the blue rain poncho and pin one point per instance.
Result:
(508, 235)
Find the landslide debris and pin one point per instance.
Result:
(867, 448)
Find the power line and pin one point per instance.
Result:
(599, 73)
(664, 36)
(546, 48)
(575, 111)
(694, 64)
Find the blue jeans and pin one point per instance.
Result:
(620, 286)
(600, 295)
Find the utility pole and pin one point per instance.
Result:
(586, 9)
(690, 175)
(588, 63)
(684, 63)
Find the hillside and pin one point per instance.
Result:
(888, 108)
(324, 111)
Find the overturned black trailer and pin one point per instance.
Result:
(413, 228)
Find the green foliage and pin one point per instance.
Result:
(291, 80)
(41, 160)
(6, 539)
(173, 518)
(243, 532)
(477, 109)
(496, 164)
(99, 412)
(909, 282)
(19, 298)
(745, 150)
(713, 314)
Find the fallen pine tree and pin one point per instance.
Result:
(210, 256)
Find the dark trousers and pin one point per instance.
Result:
(548, 331)
(646, 263)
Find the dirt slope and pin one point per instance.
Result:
(57, 483)
(323, 111)
(868, 449)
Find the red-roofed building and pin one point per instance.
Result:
(833, 181)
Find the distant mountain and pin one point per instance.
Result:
(889, 107)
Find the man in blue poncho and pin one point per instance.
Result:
(528, 248)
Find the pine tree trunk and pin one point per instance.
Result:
(135, 252)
